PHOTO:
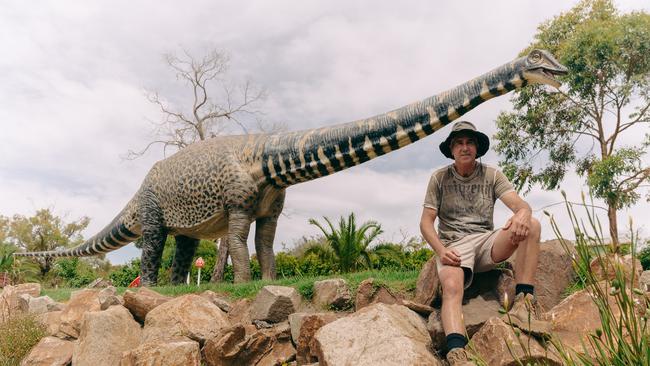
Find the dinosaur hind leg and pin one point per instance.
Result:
(153, 239)
(185, 249)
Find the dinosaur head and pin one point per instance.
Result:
(540, 67)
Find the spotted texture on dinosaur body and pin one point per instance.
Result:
(220, 186)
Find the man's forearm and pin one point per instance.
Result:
(431, 236)
(523, 206)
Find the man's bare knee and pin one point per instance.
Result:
(535, 228)
(452, 284)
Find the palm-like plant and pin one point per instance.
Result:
(6, 257)
(388, 255)
(349, 242)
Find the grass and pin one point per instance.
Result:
(17, 337)
(399, 281)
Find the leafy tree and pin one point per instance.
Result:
(45, 231)
(349, 243)
(606, 92)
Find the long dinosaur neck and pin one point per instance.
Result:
(305, 155)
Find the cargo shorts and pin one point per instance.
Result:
(475, 252)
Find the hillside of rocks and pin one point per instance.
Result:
(372, 326)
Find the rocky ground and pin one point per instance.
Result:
(374, 326)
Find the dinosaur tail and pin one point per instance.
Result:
(112, 237)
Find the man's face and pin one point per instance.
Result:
(463, 149)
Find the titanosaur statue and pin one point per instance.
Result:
(219, 187)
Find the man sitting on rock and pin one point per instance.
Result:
(462, 196)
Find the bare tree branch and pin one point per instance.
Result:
(636, 180)
(213, 106)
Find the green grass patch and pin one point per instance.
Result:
(17, 337)
(399, 281)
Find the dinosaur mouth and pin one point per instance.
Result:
(546, 75)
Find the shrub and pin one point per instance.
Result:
(74, 272)
(350, 243)
(17, 337)
(125, 274)
(286, 265)
(644, 257)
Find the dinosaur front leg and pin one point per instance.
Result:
(239, 223)
(185, 249)
(264, 235)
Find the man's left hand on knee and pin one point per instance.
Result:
(519, 226)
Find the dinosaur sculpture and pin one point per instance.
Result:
(220, 186)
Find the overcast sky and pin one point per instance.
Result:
(73, 76)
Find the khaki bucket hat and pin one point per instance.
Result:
(466, 128)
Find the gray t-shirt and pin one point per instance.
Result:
(465, 205)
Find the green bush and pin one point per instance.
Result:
(312, 265)
(644, 257)
(286, 265)
(74, 272)
(125, 274)
(17, 337)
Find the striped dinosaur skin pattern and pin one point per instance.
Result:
(219, 187)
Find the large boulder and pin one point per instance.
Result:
(378, 334)
(240, 313)
(189, 316)
(9, 298)
(167, 353)
(104, 336)
(50, 351)
(35, 305)
(332, 293)
(142, 302)
(370, 292)
(275, 303)
(295, 322)
(108, 297)
(498, 344)
(309, 325)
(427, 288)
(217, 300)
(605, 266)
(80, 302)
(52, 321)
(264, 347)
(576, 317)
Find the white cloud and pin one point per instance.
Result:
(73, 74)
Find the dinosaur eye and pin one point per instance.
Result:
(535, 57)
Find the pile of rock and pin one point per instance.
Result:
(374, 327)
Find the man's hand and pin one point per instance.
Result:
(450, 257)
(518, 226)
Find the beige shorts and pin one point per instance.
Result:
(475, 252)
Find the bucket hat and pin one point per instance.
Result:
(466, 128)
